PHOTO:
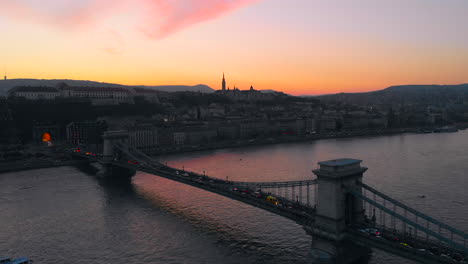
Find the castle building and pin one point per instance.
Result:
(35, 93)
(245, 95)
(97, 95)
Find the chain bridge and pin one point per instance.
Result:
(344, 216)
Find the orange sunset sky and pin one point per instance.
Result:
(294, 46)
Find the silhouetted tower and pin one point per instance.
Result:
(5, 77)
(224, 83)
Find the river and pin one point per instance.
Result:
(64, 215)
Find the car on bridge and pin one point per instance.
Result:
(406, 245)
(272, 200)
(257, 194)
(456, 256)
(244, 191)
(292, 206)
(370, 231)
(391, 237)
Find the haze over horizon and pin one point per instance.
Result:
(4, 87)
(304, 47)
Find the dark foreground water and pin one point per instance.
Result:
(64, 215)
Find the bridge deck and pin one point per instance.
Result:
(420, 253)
(301, 214)
(406, 246)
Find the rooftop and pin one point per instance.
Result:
(37, 89)
(144, 90)
(95, 89)
(339, 162)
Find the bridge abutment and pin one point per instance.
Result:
(326, 251)
(337, 210)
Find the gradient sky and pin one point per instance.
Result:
(295, 46)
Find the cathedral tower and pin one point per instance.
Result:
(224, 83)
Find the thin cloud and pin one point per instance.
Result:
(113, 42)
(177, 15)
(160, 18)
(69, 17)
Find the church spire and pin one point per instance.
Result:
(223, 85)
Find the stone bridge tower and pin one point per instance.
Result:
(112, 154)
(110, 138)
(337, 209)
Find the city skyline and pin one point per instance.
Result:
(309, 47)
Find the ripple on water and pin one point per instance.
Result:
(63, 215)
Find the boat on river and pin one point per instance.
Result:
(22, 260)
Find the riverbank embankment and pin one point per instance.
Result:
(22, 165)
(278, 140)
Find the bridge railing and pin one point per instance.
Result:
(277, 184)
(303, 193)
(300, 214)
(430, 222)
(387, 213)
(297, 194)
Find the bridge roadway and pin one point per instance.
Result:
(392, 241)
(301, 214)
(417, 249)
(428, 252)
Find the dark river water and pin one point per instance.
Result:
(64, 215)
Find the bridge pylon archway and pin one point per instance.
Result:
(336, 211)
(111, 154)
(110, 139)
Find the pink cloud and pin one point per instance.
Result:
(161, 18)
(176, 15)
(113, 42)
(67, 14)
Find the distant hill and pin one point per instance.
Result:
(268, 91)
(6, 85)
(180, 88)
(403, 94)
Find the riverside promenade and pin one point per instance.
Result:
(278, 140)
